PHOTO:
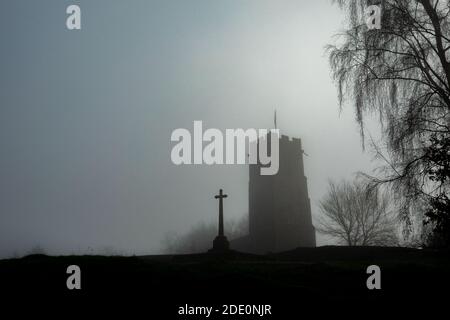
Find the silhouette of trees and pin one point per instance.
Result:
(37, 249)
(356, 214)
(402, 73)
(200, 237)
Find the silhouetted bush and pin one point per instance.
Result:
(200, 237)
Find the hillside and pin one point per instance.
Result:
(312, 276)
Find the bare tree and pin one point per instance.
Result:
(402, 72)
(356, 214)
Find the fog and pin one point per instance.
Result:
(86, 116)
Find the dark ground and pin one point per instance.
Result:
(325, 280)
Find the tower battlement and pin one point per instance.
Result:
(291, 139)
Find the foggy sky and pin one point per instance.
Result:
(86, 116)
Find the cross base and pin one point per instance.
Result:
(220, 244)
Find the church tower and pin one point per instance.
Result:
(279, 205)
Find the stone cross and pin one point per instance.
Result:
(220, 243)
(221, 196)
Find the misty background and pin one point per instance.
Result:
(86, 116)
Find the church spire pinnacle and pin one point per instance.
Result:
(275, 119)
